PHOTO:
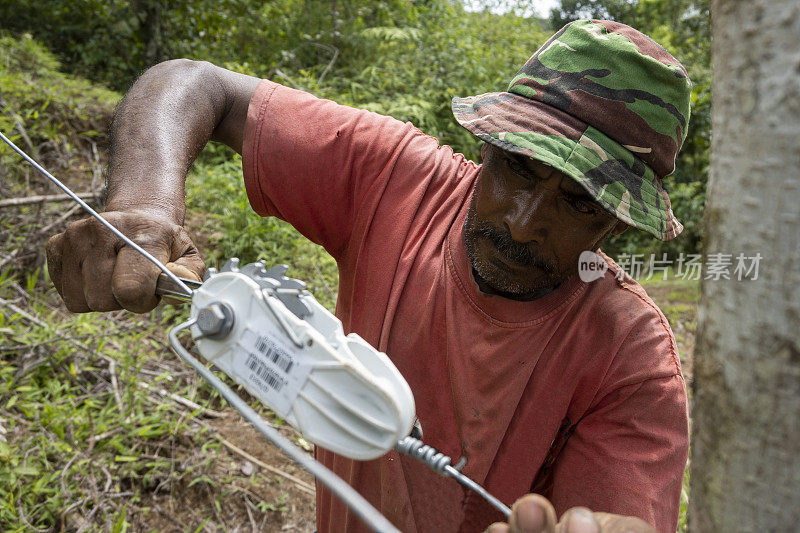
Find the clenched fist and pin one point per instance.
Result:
(94, 270)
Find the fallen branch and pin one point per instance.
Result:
(101, 436)
(21, 129)
(10, 257)
(112, 370)
(38, 199)
(302, 485)
(183, 401)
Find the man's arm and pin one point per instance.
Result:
(160, 127)
(163, 123)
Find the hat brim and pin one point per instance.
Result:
(611, 173)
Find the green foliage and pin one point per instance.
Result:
(88, 438)
(61, 121)
(115, 41)
(406, 59)
(396, 57)
(45, 111)
(453, 53)
(47, 396)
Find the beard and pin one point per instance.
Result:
(543, 274)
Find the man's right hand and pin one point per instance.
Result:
(534, 514)
(94, 270)
(161, 125)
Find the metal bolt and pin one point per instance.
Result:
(215, 321)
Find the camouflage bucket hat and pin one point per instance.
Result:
(603, 104)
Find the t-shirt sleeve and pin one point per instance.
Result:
(318, 164)
(627, 456)
(627, 451)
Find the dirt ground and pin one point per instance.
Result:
(243, 495)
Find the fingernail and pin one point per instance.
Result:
(530, 516)
(582, 521)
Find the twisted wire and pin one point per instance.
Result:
(440, 463)
(429, 455)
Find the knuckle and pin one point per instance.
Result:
(54, 243)
(76, 227)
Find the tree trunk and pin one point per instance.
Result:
(150, 30)
(746, 441)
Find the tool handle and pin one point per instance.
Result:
(167, 287)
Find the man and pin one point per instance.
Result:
(465, 275)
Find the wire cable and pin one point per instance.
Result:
(353, 499)
(96, 215)
(436, 460)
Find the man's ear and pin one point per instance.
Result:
(620, 228)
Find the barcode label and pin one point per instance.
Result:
(271, 368)
(282, 359)
(269, 376)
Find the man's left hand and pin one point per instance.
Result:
(534, 514)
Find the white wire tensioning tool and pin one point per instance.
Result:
(270, 335)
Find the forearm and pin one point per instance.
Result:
(161, 126)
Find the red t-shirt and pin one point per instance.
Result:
(577, 395)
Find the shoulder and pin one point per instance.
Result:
(645, 346)
(280, 115)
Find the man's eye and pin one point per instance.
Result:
(517, 168)
(581, 206)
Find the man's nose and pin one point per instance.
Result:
(528, 216)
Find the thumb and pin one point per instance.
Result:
(134, 279)
(532, 514)
(182, 272)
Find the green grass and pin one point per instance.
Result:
(87, 440)
(80, 428)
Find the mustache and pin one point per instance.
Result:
(514, 251)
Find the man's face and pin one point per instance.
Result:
(527, 224)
